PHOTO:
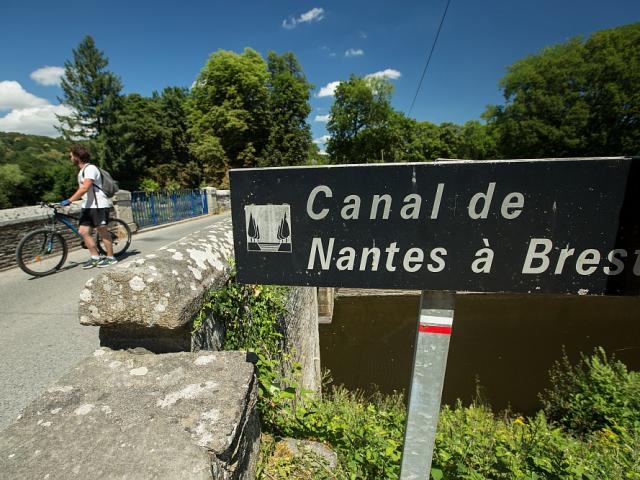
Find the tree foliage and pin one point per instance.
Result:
(91, 91)
(365, 128)
(361, 121)
(290, 134)
(148, 139)
(580, 98)
(33, 168)
(229, 113)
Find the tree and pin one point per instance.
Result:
(290, 134)
(11, 178)
(134, 141)
(476, 142)
(426, 141)
(91, 91)
(173, 110)
(34, 168)
(148, 138)
(574, 99)
(361, 122)
(229, 112)
(613, 76)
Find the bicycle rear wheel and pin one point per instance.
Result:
(41, 252)
(120, 234)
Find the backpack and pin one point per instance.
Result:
(109, 185)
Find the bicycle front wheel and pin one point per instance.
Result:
(41, 252)
(120, 235)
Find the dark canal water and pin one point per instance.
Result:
(504, 343)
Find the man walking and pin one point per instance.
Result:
(95, 207)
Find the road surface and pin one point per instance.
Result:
(40, 336)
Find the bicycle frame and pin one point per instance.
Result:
(66, 220)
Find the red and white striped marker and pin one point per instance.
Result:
(435, 324)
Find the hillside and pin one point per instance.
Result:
(33, 168)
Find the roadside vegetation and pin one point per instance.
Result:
(578, 98)
(587, 429)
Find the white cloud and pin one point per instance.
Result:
(388, 73)
(289, 23)
(353, 52)
(322, 118)
(34, 120)
(28, 113)
(322, 140)
(12, 95)
(313, 15)
(327, 51)
(328, 90)
(48, 75)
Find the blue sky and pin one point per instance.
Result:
(155, 44)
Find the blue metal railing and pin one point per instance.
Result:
(156, 208)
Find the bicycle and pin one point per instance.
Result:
(44, 251)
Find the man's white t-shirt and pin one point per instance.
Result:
(94, 198)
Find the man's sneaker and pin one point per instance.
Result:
(106, 261)
(92, 262)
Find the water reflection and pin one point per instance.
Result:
(506, 342)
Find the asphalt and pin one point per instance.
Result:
(40, 336)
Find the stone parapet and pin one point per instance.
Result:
(151, 302)
(122, 414)
(122, 206)
(301, 334)
(223, 198)
(218, 200)
(12, 216)
(326, 296)
(163, 290)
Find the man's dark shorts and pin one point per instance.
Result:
(94, 217)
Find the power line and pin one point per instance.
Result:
(435, 40)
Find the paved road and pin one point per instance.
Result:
(40, 336)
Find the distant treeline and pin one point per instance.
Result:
(34, 168)
(579, 98)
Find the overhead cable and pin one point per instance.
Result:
(435, 40)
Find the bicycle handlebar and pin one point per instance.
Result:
(54, 206)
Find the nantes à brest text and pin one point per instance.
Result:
(541, 256)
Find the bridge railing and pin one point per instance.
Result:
(156, 208)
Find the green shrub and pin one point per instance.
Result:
(366, 432)
(473, 444)
(149, 185)
(598, 393)
(250, 315)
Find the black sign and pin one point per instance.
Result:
(532, 226)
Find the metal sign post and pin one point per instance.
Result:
(427, 379)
